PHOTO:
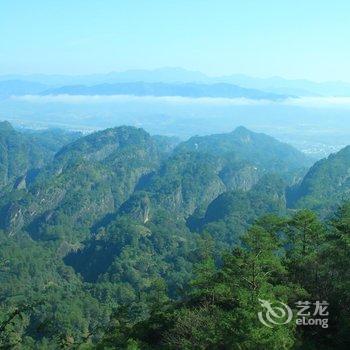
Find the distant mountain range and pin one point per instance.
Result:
(194, 90)
(20, 87)
(274, 85)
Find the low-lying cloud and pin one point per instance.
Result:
(318, 102)
(92, 99)
(308, 102)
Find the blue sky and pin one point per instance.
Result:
(293, 39)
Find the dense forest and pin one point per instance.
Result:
(123, 240)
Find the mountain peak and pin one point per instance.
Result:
(5, 126)
(242, 130)
(101, 144)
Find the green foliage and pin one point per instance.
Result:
(220, 308)
(259, 149)
(326, 184)
(24, 151)
(123, 242)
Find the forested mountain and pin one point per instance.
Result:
(94, 175)
(100, 235)
(260, 149)
(86, 180)
(325, 185)
(51, 139)
(22, 151)
(230, 215)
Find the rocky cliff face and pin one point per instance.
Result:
(184, 182)
(240, 176)
(138, 207)
(266, 196)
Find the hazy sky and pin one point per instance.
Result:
(294, 39)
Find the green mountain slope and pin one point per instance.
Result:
(203, 168)
(262, 150)
(90, 178)
(325, 185)
(87, 179)
(230, 215)
(21, 152)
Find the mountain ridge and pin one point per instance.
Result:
(112, 164)
(194, 90)
(277, 85)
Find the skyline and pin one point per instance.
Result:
(293, 40)
(27, 75)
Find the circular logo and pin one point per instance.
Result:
(274, 315)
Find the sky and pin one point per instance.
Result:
(293, 39)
